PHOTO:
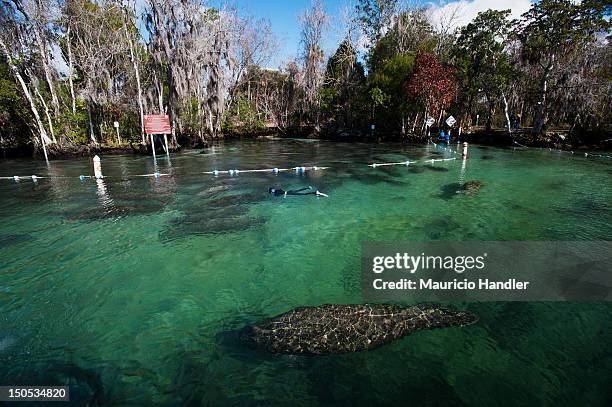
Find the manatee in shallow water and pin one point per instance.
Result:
(436, 169)
(333, 328)
(416, 170)
(209, 227)
(114, 212)
(470, 188)
(10, 240)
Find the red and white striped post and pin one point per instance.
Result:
(465, 153)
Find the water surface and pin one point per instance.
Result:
(131, 289)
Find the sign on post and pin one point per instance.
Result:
(157, 124)
(430, 121)
(450, 121)
(116, 126)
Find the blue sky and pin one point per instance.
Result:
(283, 16)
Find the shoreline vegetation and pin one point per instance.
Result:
(78, 76)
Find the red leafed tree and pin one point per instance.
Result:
(432, 84)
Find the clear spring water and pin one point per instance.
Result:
(130, 290)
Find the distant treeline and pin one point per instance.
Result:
(69, 69)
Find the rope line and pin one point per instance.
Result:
(433, 160)
(231, 172)
(273, 170)
(565, 151)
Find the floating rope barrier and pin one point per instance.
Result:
(83, 177)
(231, 172)
(275, 170)
(597, 155)
(408, 162)
(565, 151)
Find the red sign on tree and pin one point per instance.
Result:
(157, 124)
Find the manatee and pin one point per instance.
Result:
(6, 343)
(113, 212)
(436, 169)
(10, 240)
(235, 200)
(335, 329)
(209, 227)
(213, 191)
(470, 188)
(416, 170)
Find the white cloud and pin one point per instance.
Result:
(459, 13)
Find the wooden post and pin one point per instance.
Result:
(97, 167)
(116, 125)
(153, 146)
(166, 143)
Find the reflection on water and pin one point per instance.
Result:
(131, 289)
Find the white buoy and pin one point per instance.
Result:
(97, 167)
(465, 150)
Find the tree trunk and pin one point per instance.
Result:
(70, 71)
(91, 129)
(47, 114)
(42, 44)
(28, 95)
(506, 113)
(540, 116)
(489, 113)
(137, 73)
(160, 95)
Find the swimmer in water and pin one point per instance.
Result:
(282, 192)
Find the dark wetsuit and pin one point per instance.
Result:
(279, 192)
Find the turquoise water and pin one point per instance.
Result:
(131, 289)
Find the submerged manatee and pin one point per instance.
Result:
(333, 328)
(470, 188)
(436, 169)
(114, 212)
(10, 240)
